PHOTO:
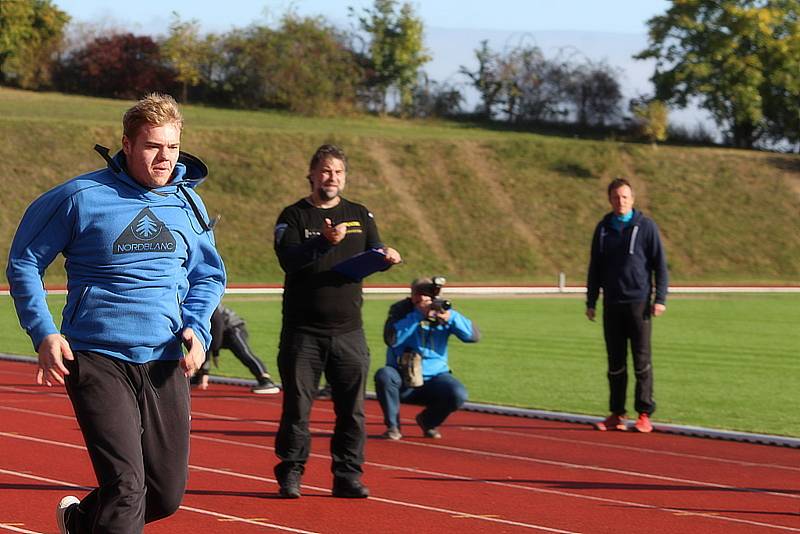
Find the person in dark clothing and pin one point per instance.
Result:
(322, 329)
(629, 264)
(229, 331)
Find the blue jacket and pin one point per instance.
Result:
(407, 329)
(141, 264)
(626, 263)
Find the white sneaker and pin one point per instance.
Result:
(61, 511)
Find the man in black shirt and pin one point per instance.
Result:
(322, 328)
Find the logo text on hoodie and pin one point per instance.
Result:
(146, 233)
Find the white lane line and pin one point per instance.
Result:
(520, 487)
(627, 448)
(259, 478)
(505, 456)
(12, 528)
(446, 475)
(636, 474)
(407, 504)
(218, 515)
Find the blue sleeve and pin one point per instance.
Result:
(45, 230)
(463, 328)
(205, 273)
(406, 329)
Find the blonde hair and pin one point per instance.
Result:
(154, 109)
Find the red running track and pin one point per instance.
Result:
(490, 473)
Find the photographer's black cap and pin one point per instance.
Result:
(423, 286)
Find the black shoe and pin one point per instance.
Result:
(265, 386)
(290, 485)
(346, 489)
(325, 392)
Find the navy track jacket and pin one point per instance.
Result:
(626, 263)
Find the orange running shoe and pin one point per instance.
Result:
(643, 423)
(612, 422)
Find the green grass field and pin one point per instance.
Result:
(721, 361)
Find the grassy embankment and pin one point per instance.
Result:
(476, 205)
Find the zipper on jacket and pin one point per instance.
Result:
(84, 291)
(633, 239)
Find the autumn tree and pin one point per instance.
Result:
(652, 119)
(305, 65)
(739, 58)
(31, 33)
(395, 51)
(186, 52)
(117, 66)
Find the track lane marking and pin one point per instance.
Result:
(203, 511)
(713, 516)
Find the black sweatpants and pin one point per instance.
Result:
(624, 324)
(135, 422)
(302, 359)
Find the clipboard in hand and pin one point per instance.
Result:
(362, 265)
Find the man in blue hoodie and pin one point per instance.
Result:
(629, 264)
(420, 327)
(143, 278)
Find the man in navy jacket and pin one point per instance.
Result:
(627, 259)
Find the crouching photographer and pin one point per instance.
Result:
(416, 372)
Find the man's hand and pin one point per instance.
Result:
(658, 309)
(590, 313)
(392, 256)
(443, 316)
(334, 234)
(195, 355)
(53, 350)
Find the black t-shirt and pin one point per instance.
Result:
(316, 299)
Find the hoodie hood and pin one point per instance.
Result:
(189, 171)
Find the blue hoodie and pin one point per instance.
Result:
(407, 329)
(141, 263)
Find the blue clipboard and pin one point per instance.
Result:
(362, 265)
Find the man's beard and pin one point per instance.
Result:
(325, 194)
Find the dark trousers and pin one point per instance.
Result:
(624, 324)
(441, 395)
(302, 359)
(135, 422)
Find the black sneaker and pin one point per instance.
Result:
(290, 485)
(325, 392)
(265, 386)
(349, 489)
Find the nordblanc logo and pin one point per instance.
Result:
(146, 233)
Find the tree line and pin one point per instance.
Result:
(737, 59)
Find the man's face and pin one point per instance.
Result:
(422, 302)
(152, 154)
(328, 178)
(621, 200)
